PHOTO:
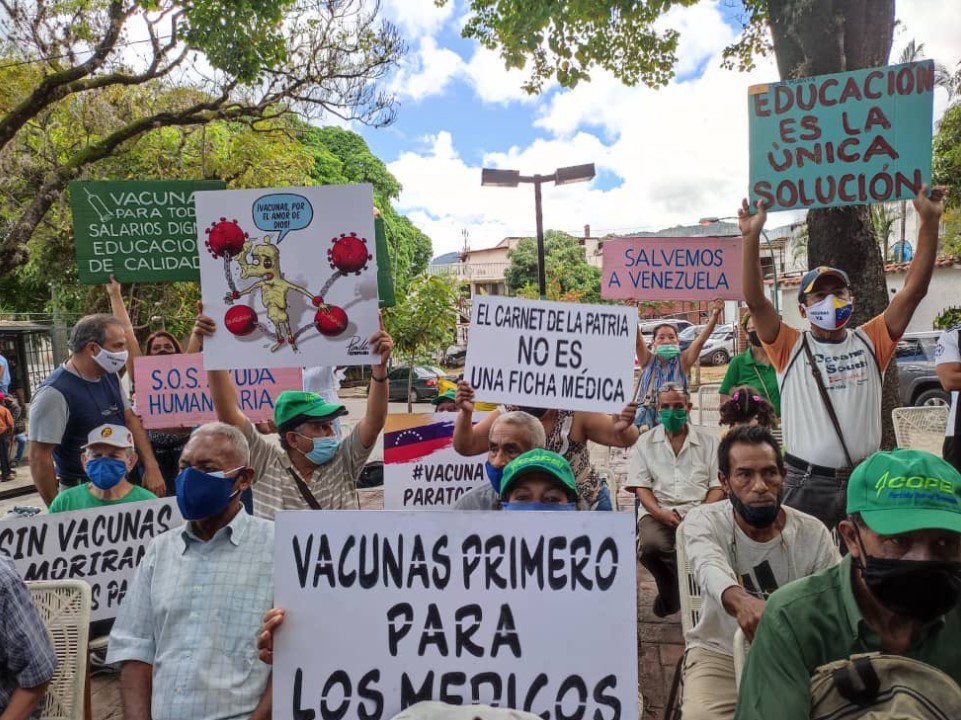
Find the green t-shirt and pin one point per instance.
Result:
(816, 620)
(745, 370)
(80, 498)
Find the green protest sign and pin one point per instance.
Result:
(141, 231)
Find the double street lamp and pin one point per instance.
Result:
(512, 178)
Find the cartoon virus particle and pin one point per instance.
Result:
(349, 254)
(240, 320)
(225, 237)
(330, 320)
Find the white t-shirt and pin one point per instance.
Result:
(853, 383)
(948, 353)
(679, 482)
(722, 556)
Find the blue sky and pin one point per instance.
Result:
(663, 157)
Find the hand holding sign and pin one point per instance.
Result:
(281, 213)
(929, 209)
(265, 640)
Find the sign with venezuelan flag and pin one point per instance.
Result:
(421, 467)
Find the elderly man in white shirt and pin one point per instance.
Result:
(674, 469)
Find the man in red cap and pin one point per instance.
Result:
(830, 377)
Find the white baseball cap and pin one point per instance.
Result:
(116, 435)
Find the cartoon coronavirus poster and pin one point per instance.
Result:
(289, 275)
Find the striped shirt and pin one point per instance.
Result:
(333, 484)
(27, 658)
(193, 612)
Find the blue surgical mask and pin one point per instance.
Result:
(202, 495)
(494, 475)
(323, 451)
(106, 472)
(538, 506)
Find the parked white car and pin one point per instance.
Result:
(719, 348)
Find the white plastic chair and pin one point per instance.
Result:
(709, 405)
(64, 608)
(920, 428)
(691, 602)
(690, 591)
(740, 656)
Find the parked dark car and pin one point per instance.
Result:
(424, 387)
(455, 356)
(917, 378)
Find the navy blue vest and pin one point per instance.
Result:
(89, 405)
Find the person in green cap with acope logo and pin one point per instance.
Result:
(539, 480)
(897, 591)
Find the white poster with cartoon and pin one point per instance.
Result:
(289, 275)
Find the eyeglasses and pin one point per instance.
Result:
(841, 293)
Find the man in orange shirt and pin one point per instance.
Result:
(6, 433)
(830, 377)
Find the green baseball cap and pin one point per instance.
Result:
(904, 490)
(538, 460)
(294, 407)
(444, 396)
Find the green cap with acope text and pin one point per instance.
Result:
(899, 491)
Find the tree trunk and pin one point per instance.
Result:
(819, 38)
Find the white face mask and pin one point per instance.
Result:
(112, 362)
(830, 313)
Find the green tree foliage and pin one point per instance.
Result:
(946, 152)
(568, 275)
(423, 322)
(342, 156)
(77, 93)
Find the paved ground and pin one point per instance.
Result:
(659, 640)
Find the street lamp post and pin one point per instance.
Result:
(512, 178)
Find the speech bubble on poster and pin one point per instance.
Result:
(672, 269)
(853, 138)
(551, 354)
(101, 546)
(480, 607)
(172, 390)
(281, 213)
(422, 471)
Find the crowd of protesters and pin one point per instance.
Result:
(755, 518)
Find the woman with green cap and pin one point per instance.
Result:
(539, 480)
(445, 402)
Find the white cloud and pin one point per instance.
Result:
(492, 82)
(680, 153)
(426, 72)
(417, 18)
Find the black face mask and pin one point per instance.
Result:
(759, 517)
(754, 339)
(922, 590)
(536, 412)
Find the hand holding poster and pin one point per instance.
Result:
(852, 138)
(101, 546)
(551, 354)
(141, 231)
(421, 467)
(172, 390)
(289, 275)
(644, 268)
(386, 609)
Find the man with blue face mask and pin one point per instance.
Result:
(830, 377)
(512, 434)
(107, 459)
(77, 397)
(186, 627)
(314, 467)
